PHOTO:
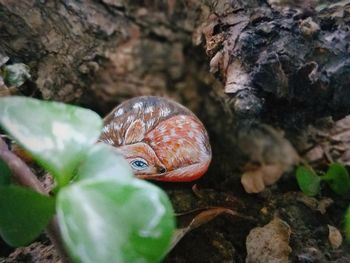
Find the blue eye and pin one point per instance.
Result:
(139, 164)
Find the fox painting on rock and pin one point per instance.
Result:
(161, 139)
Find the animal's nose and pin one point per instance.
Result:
(161, 169)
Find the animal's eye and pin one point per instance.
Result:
(139, 164)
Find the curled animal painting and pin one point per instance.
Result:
(161, 139)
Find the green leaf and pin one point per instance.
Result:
(347, 224)
(337, 177)
(109, 221)
(16, 74)
(24, 214)
(308, 181)
(57, 135)
(5, 174)
(103, 161)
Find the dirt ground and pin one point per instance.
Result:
(240, 66)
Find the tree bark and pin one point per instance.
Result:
(236, 64)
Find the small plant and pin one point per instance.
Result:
(308, 181)
(104, 213)
(337, 178)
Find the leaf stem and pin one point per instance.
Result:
(22, 175)
(326, 177)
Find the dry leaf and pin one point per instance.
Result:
(334, 237)
(270, 151)
(329, 144)
(269, 243)
(255, 181)
(313, 203)
(200, 219)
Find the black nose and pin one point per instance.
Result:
(161, 170)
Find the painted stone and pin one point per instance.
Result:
(161, 139)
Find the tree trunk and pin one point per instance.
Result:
(237, 64)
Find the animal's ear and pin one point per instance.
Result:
(135, 132)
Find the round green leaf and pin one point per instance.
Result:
(347, 224)
(110, 221)
(308, 181)
(24, 214)
(55, 134)
(5, 173)
(103, 161)
(337, 177)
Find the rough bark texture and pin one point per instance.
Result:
(236, 64)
